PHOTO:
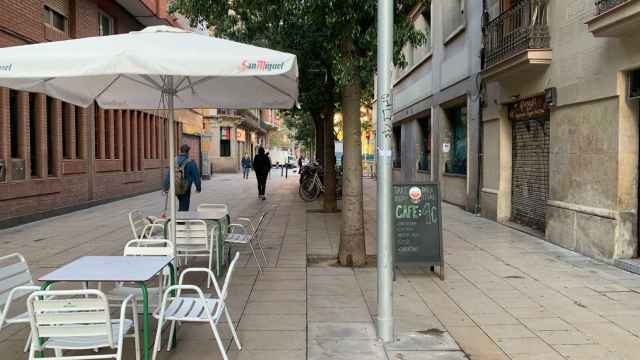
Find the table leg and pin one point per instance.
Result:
(145, 321)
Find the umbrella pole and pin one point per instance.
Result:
(172, 162)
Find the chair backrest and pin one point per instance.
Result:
(213, 207)
(227, 279)
(14, 272)
(69, 313)
(138, 221)
(192, 233)
(151, 247)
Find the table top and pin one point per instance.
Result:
(213, 214)
(109, 268)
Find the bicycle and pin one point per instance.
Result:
(311, 185)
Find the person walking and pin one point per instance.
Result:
(187, 175)
(300, 160)
(262, 168)
(246, 166)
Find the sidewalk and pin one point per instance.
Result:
(507, 295)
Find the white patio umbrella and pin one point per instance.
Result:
(158, 67)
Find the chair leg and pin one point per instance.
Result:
(171, 332)
(219, 341)
(209, 281)
(26, 345)
(255, 257)
(136, 330)
(266, 262)
(157, 343)
(233, 328)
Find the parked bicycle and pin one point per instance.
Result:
(311, 185)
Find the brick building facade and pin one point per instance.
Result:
(55, 156)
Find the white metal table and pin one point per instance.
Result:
(211, 215)
(138, 269)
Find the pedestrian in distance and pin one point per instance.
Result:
(186, 175)
(262, 168)
(300, 160)
(246, 166)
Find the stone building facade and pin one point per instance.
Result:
(547, 91)
(436, 102)
(233, 133)
(558, 76)
(55, 156)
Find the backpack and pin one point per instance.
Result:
(182, 185)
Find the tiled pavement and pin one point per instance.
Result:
(507, 295)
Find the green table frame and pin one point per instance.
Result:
(145, 309)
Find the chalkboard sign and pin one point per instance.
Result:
(418, 225)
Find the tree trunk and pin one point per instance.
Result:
(319, 132)
(329, 202)
(352, 241)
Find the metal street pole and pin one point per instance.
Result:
(383, 139)
(172, 159)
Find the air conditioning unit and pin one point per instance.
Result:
(17, 169)
(634, 85)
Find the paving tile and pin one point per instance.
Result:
(427, 355)
(281, 307)
(343, 330)
(498, 332)
(528, 346)
(273, 340)
(273, 322)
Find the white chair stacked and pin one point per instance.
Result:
(198, 309)
(64, 320)
(141, 247)
(244, 232)
(193, 239)
(144, 227)
(15, 283)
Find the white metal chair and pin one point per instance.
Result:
(146, 227)
(200, 308)
(244, 232)
(15, 283)
(141, 247)
(193, 239)
(78, 320)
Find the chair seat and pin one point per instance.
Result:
(236, 238)
(19, 319)
(191, 249)
(190, 309)
(87, 342)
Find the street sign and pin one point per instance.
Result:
(418, 225)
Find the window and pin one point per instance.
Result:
(424, 146)
(457, 163)
(453, 17)
(33, 136)
(14, 123)
(79, 132)
(397, 146)
(106, 25)
(51, 108)
(225, 141)
(66, 128)
(107, 133)
(54, 19)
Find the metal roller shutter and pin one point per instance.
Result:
(530, 171)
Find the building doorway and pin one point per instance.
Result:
(530, 162)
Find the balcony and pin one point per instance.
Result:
(615, 18)
(517, 40)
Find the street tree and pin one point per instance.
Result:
(335, 41)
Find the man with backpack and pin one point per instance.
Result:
(187, 174)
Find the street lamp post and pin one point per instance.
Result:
(383, 139)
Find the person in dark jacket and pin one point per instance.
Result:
(262, 168)
(192, 176)
(246, 166)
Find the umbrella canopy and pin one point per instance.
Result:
(158, 67)
(129, 71)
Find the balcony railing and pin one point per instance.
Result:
(602, 6)
(521, 27)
